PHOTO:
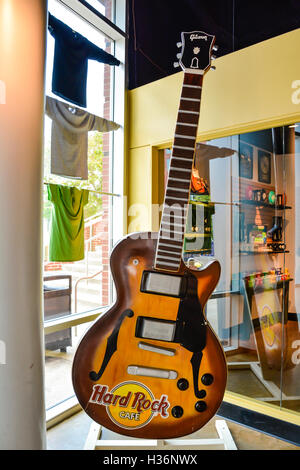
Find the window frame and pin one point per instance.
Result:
(87, 13)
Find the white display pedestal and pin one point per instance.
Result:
(223, 442)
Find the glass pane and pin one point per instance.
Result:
(60, 349)
(105, 7)
(98, 89)
(89, 278)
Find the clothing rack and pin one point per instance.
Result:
(91, 190)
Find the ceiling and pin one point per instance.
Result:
(154, 28)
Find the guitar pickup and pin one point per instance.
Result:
(157, 329)
(170, 285)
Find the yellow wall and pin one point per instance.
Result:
(250, 89)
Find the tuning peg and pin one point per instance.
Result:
(213, 57)
(215, 48)
(179, 55)
(179, 44)
(213, 67)
(176, 64)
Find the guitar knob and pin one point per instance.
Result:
(200, 406)
(183, 384)
(201, 394)
(207, 379)
(177, 411)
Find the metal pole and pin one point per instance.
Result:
(22, 64)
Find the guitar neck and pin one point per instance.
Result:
(172, 228)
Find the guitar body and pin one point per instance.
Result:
(111, 359)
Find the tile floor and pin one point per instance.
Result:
(72, 433)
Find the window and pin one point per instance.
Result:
(75, 293)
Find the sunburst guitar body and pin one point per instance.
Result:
(151, 366)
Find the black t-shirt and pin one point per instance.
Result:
(71, 55)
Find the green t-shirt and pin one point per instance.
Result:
(67, 222)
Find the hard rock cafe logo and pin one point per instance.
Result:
(130, 405)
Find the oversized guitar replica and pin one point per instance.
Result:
(151, 366)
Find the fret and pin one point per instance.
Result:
(184, 136)
(171, 229)
(184, 180)
(180, 217)
(176, 198)
(175, 243)
(166, 225)
(171, 214)
(169, 246)
(190, 99)
(183, 147)
(173, 185)
(180, 158)
(167, 264)
(173, 232)
(166, 251)
(178, 168)
(164, 257)
(191, 86)
(188, 112)
(170, 223)
(181, 190)
(187, 124)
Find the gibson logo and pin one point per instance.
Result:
(130, 404)
(197, 36)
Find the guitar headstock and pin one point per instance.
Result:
(196, 52)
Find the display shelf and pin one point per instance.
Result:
(213, 203)
(264, 204)
(272, 286)
(263, 252)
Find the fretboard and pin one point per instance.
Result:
(173, 221)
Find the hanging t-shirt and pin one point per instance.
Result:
(69, 137)
(71, 55)
(67, 222)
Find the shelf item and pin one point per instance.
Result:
(270, 287)
(264, 204)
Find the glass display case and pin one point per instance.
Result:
(244, 211)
